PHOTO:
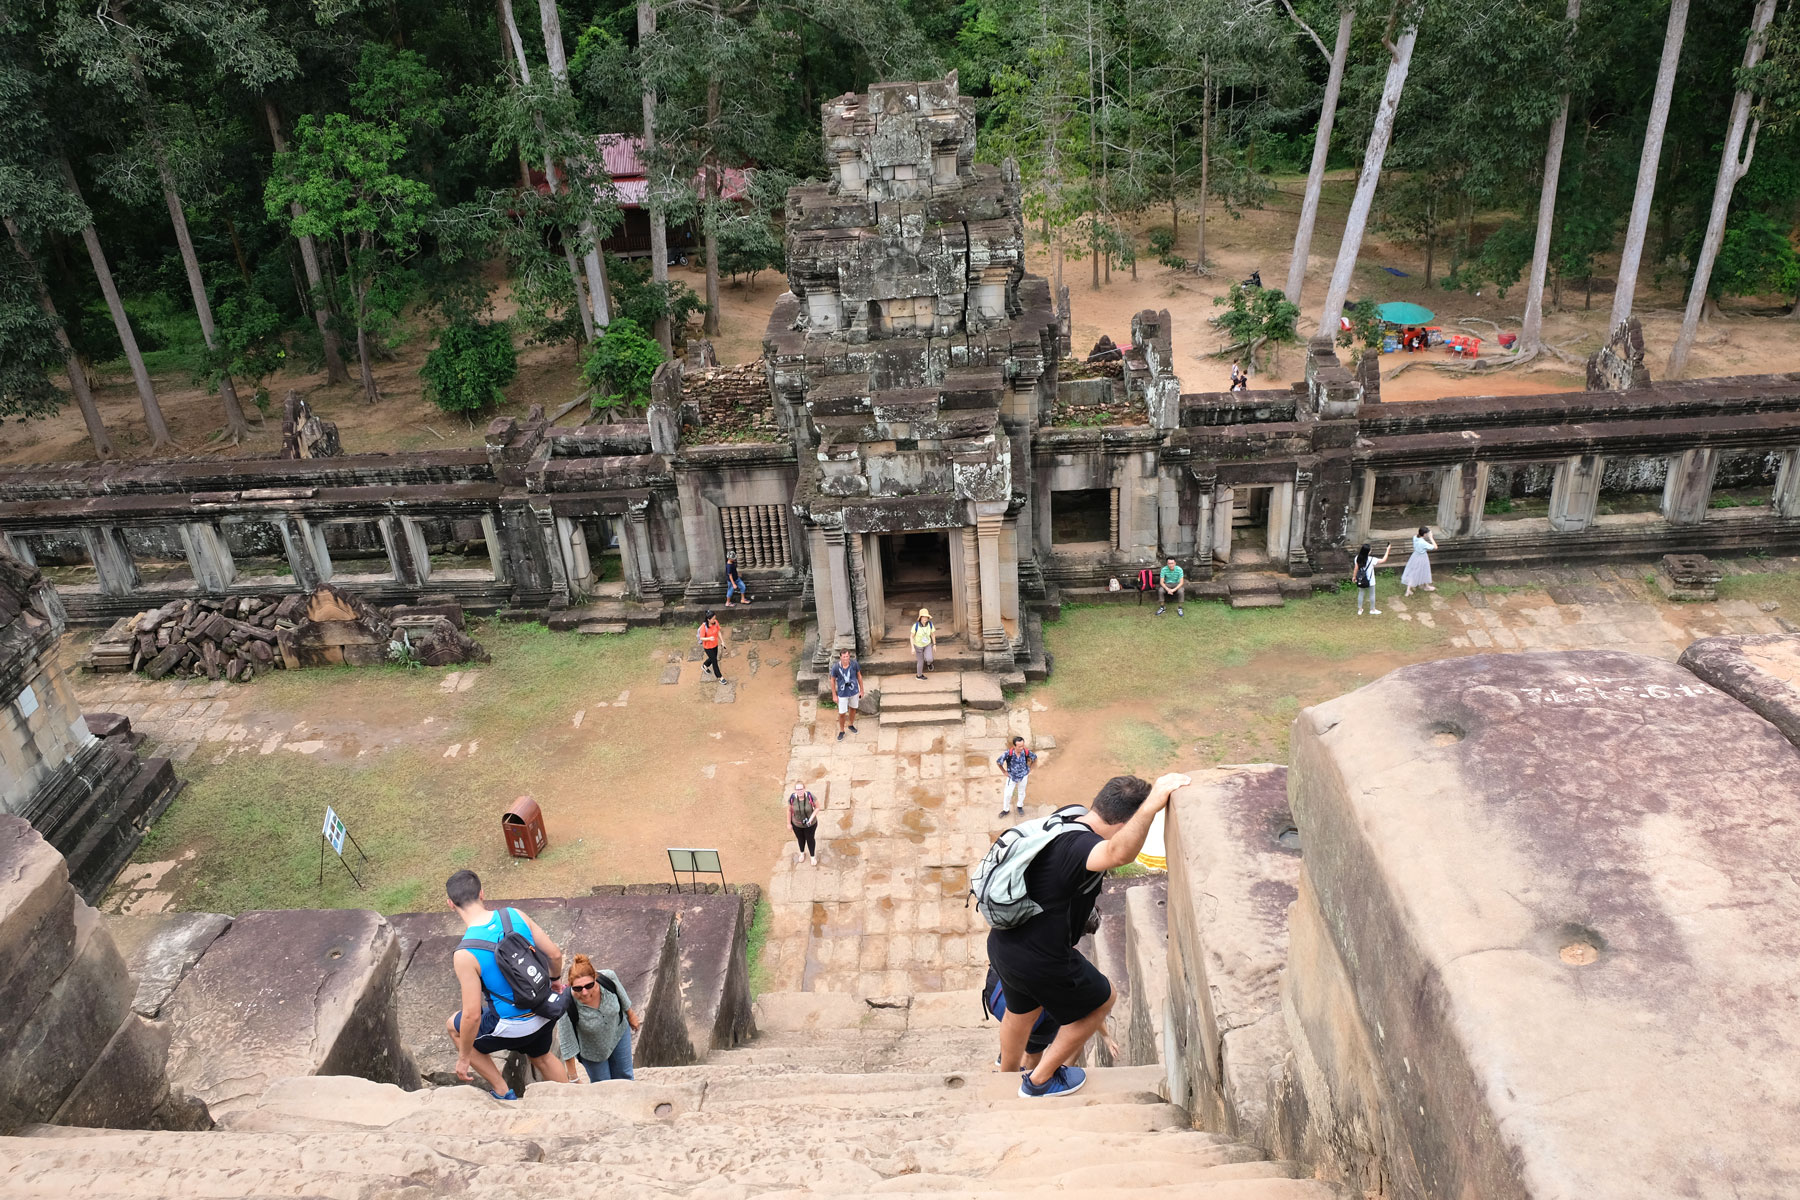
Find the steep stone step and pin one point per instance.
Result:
(898, 702)
(938, 681)
(931, 716)
(1258, 600)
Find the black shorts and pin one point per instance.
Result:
(1068, 989)
(535, 1044)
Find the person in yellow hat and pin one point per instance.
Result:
(924, 643)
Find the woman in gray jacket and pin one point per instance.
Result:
(597, 1028)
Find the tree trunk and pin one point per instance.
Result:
(335, 371)
(236, 427)
(1364, 200)
(1430, 247)
(1315, 176)
(371, 393)
(1646, 180)
(659, 226)
(1205, 164)
(1531, 330)
(551, 23)
(710, 215)
(511, 28)
(1732, 167)
(84, 396)
(153, 417)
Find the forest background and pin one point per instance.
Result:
(223, 196)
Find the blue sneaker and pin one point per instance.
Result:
(1065, 1081)
(510, 1095)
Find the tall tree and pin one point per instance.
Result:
(27, 273)
(323, 314)
(1399, 61)
(1734, 164)
(590, 239)
(1315, 175)
(653, 202)
(1531, 330)
(1639, 222)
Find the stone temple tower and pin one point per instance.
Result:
(911, 359)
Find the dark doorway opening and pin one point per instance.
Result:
(1082, 517)
(1250, 524)
(915, 574)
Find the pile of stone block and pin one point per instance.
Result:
(731, 402)
(1689, 577)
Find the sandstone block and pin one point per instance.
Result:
(160, 949)
(1547, 879)
(1761, 671)
(1232, 874)
(297, 992)
(37, 922)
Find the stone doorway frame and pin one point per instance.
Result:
(951, 624)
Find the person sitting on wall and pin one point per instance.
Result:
(1171, 581)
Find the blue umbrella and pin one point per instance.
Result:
(1399, 312)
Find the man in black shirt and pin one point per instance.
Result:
(1038, 964)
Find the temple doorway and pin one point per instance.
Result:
(915, 574)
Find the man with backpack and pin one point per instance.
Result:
(1016, 762)
(508, 969)
(1037, 886)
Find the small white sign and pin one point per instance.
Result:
(334, 830)
(27, 702)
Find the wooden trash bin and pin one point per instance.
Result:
(523, 828)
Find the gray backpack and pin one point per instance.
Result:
(998, 884)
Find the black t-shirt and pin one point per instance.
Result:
(1058, 879)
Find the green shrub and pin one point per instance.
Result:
(473, 360)
(619, 366)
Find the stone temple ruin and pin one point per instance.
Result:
(1504, 927)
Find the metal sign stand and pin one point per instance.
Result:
(695, 863)
(333, 835)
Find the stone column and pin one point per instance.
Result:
(1221, 543)
(1575, 492)
(407, 570)
(312, 538)
(987, 536)
(1365, 509)
(1168, 515)
(1280, 522)
(971, 570)
(572, 542)
(112, 560)
(299, 554)
(417, 548)
(490, 533)
(824, 605)
(858, 565)
(1203, 527)
(843, 632)
(637, 544)
(1462, 499)
(874, 586)
(1688, 490)
(1009, 571)
(208, 556)
(705, 539)
(1299, 558)
(1787, 485)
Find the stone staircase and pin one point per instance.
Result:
(1255, 589)
(936, 699)
(842, 1097)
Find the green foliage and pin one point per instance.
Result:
(639, 298)
(251, 342)
(1258, 313)
(1162, 245)
(28, 345)
(1365, 328)
(1500, 262)
(472, 361)
(619, 365)
(1756, 257)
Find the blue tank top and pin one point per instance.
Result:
(492, 981)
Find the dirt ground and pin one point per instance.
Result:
(1751, 337)
(420, 764)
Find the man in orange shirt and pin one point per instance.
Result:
(710, 634)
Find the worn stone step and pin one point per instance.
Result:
(898, 702)
(940, 680)
(1257, 600)
(598, 627)
(933, 716)
(1252, 582)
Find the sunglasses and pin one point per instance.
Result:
(585, 987)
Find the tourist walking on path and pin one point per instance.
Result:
(924, 643)
(1362, 575)
(803, 818)
(1171, 581)
(493, 1017)
(1016, 762)
(1040, 969)
(734, 582)
(1417, 573)
(710, 636)
(847, 686)
(597, 1029)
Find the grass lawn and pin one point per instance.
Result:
(610, 794)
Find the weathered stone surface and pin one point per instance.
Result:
(1549, 879)
(1762, 671)
(1147, 954)
(70, 1026)
(981, 690)
(37, 923)
(297, 992)
(1231, 878)
(637, 940)
(127, 1087)
(160, 949)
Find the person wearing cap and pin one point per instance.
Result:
(924, 643)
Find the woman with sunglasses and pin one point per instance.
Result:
(597, 1028)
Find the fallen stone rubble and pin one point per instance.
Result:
(238, 637)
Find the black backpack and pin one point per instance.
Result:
(525, 968)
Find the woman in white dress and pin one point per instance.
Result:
(1417, 573)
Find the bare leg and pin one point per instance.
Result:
(1015, 1031)
(483, 1064)
(550, 1067)
(1069, 1039)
